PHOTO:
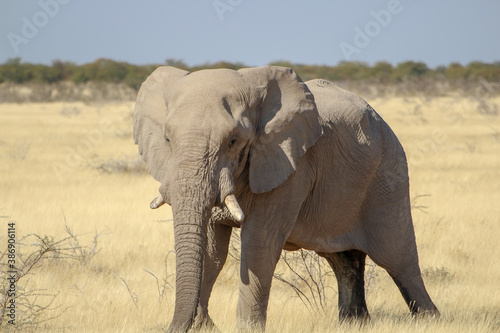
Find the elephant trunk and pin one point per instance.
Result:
(191, 216)
(190, 243)
(199, 183)
(194, 196)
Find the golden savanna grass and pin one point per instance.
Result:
(61, 165)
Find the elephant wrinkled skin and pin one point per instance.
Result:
(295, 165)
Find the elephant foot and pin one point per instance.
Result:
(413, 290)
(420, 313)
(254, 328)
(205, 324)
(357, 315)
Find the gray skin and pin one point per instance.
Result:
(311, 165)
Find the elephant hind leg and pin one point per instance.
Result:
(415, 295)
(389, 240)
(405, 272)
(349, 269)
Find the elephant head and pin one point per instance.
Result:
(199, 132)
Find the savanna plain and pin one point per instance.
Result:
(95, 258)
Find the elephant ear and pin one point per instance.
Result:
(149, 118)
(287, 125)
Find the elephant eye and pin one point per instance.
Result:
(232, 143)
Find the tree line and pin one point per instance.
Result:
(108, 70)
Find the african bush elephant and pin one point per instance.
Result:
(295, 165)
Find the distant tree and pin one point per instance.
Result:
(382, 71)
(440, 69)
(226, 64)
(282, 63)
(351, 70)
(476, 69)
(13, 71)
(110, 71)
(215, 65)
(79, 75)
(63, 69)
(308, 72)
(41, 73)
(455, 71)
(137, 74)
(89, 71)
(179, 63)
(410, 69)
(50, 74)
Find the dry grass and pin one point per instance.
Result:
(51, 178)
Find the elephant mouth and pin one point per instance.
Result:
(230, 201)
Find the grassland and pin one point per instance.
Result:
(71, 168)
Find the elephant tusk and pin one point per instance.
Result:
(234, 207)
(157, 202)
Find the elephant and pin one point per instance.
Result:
(295, 165)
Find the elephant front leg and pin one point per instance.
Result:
(218, 236)
(259, 254)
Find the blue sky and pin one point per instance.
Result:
(254, 32)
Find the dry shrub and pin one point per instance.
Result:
(90, 92)
(34, 307)
(120, 165)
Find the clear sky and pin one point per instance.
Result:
(254, 32)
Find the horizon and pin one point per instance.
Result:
(210, 63)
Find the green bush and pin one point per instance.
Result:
(410, 69)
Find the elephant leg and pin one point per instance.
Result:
(390, 237)
(406, 274)
(218, 236)
(349, 269)
(415, 295)
(260, 251)
(398, 256)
